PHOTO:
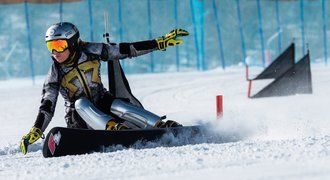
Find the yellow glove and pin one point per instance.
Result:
(30, 138)
(170, 39)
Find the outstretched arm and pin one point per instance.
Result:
(50, 93)
(129, 50)
(124, 50)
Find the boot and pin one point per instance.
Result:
(169, 123)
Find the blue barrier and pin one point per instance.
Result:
(279, 29)
(152, 66)
(261, 34)
(239, 18)
(120, 29)
(61, 11)
(226, 29)
(218, 23)
(29, 41)
(302, 26)
(177, 57)
(325, 45)
(91, 22)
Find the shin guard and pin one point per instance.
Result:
(134, 114)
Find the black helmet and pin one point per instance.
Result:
(64, 30)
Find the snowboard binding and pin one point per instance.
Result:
(114, 126)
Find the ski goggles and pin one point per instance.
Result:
(59, 45)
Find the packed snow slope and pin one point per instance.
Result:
(268, 138)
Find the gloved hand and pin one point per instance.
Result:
(170, 39)
(30, 138)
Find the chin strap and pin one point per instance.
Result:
(71, 59)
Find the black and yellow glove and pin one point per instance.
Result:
(170, 39)
(30, 138)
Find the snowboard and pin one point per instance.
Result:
(62, 141)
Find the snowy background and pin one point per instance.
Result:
(268, 138)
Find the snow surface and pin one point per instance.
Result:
(268, 138)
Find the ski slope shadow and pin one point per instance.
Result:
(207, 134)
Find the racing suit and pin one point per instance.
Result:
(81, 78)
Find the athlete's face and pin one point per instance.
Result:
(61, 57)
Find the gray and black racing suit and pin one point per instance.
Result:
(81, 78)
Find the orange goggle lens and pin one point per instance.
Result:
(57, 45)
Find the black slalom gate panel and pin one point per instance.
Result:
(303, 76)
(280, 65)
(296, 80)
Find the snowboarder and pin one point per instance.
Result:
(75, 73)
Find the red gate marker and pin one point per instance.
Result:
(249, 89)
(219, 105)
